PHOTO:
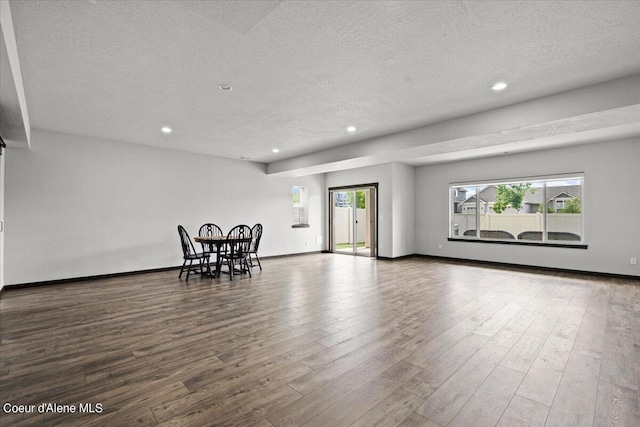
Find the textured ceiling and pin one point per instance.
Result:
(302, 71)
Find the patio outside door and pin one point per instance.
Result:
(352, 220)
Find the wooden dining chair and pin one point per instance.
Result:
(237, 255)
(256, 235)
(189, 254)
(210, 230)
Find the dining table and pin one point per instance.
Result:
(209, 243)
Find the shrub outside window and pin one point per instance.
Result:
(535, 210)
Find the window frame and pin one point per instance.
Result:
(545, 242)
(302, 206)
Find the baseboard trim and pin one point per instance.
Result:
(398, 258)
(493, 264)
(124, 273)
(291, 255)
(529, 267)
(88, 278)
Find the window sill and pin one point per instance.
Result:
(522, 243)
(300, 226)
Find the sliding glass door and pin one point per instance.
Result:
(352, 218)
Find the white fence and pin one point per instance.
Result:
(517, 223)
(343, 225)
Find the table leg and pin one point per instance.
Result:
(218, 266)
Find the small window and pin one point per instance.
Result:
(300, 210)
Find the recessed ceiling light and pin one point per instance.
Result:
(166, 129)
(275, 150)
(224, 87)
(351, 129)
(499, 86)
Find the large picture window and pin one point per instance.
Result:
(542, 210)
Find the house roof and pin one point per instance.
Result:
(472, 199)
(563, 194)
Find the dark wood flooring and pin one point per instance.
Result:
(326, 340)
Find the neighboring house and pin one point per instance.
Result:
(342, 200)
(459, 197)
(557, 198)
(469, 206)
(487, 199)
(559, 201)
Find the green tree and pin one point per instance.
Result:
(511, 195)
(360, 199)
(571, 206)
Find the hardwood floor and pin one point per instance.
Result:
(326, 340)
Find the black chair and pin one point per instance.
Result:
(189, 254)
(237, 254)
(211, 230)
(256, 235)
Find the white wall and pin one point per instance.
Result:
(2, 179)
(79, 206)
(611, 203)
(404, 196)
(395, 203)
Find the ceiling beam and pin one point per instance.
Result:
(589, 114)
(17, 134)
